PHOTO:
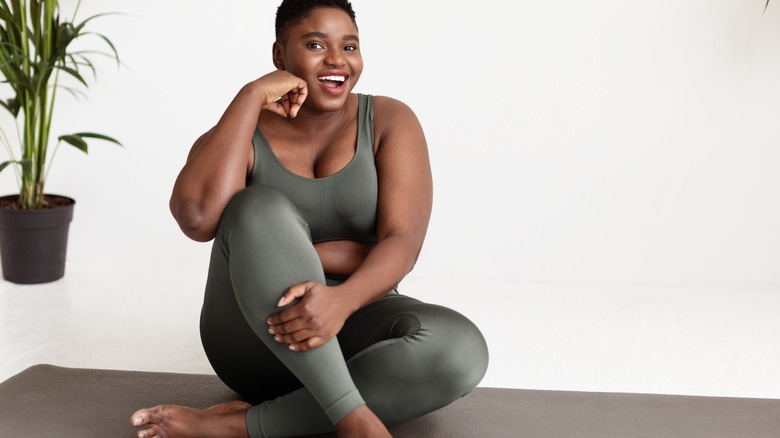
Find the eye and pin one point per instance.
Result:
(314, 45)
(350, 48)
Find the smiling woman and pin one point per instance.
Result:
(318, 200)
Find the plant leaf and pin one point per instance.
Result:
(76, 141)
(73, 73)
(12, 106)
(113, 49)
(26, 165)
(76, 93)
(98, 136)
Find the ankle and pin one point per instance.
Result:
(361, 422)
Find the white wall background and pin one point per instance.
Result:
(590, 142)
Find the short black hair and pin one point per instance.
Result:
(292, 12)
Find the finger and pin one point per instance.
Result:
(282, 317)
(277, 108)
(298, 337)
(300, 97)
(287, 327)
(308, 344)
(294, 292)
(286, 103)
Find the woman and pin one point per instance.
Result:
(318, 203)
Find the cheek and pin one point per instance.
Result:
(300, 68)
(357, 66)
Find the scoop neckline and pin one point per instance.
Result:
(267, 144)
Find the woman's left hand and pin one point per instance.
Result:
(313, 321)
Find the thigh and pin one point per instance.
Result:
(408, 357)
(392, 316)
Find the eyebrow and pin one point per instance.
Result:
(323, 36)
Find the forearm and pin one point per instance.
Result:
(381, 270)
(216, 169)
(342, 257)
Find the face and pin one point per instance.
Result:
(323, 50)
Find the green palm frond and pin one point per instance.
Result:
(35, 48)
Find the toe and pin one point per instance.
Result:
(151, 432)
(140, 417)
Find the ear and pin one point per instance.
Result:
(277, 53)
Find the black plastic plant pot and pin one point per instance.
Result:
(33, 243)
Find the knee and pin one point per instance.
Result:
(258, 206)
(461, 359)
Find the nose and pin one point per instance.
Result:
(335, 57)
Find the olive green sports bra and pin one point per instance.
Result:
(341, 206)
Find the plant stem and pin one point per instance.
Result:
(78, 4)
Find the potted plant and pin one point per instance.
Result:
(36, 60)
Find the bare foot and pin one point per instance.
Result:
(361, 423)
(169, 421)
(229, 407)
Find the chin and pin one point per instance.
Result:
(330, 103)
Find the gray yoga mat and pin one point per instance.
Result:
(48, 401)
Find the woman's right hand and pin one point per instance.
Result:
(283, 92)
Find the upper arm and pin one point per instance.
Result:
(202, 139)
(404, 172)
(192, 199)
(198, 143)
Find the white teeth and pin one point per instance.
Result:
(333, 78)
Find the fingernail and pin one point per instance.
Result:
(293, 347)
(268, 321)
(280, 303)
(278, 338)
(138, 421)
(271, 330)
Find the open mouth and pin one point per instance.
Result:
(333, 81)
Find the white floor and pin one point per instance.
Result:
(696, 341)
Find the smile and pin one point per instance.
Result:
(335, 80)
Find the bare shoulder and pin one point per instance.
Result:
(388, 110)
(393, 118)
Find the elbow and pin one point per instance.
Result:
(413, 260)
(193, 221)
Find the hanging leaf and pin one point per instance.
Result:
(73, 73)
(97, 136)
(76, 141)
(5, 164)
(25, 164)
(12, 106)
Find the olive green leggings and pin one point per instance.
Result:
(402, 357)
